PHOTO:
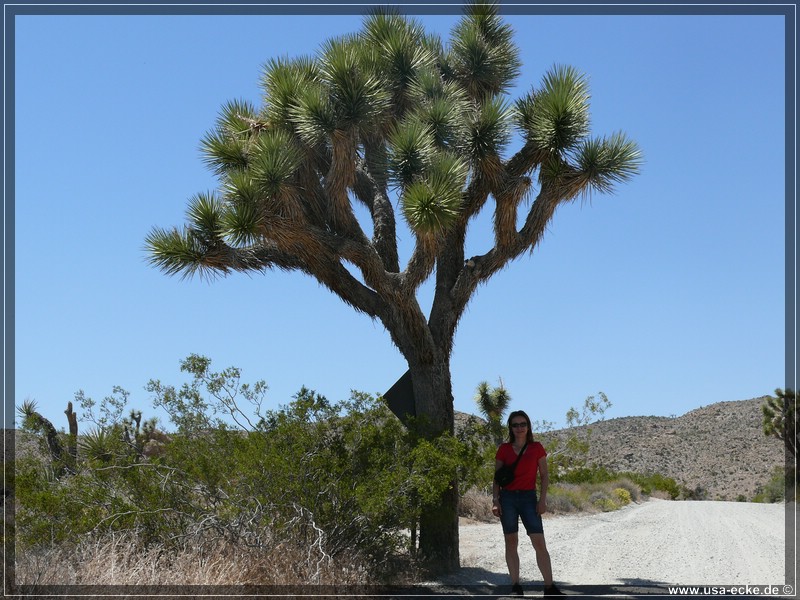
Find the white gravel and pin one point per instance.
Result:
(650, 545)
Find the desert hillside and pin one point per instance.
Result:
(718, 451)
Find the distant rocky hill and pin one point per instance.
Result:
(718, 451)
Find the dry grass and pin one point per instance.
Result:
(562, 498)
(476, 505)
(121, 561)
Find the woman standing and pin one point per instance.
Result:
(519, 499)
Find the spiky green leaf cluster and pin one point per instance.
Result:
(28, 408)
(607, 161)
(242, 223)
(484, 58)
(205, 215)
(489, 130)
(432, 202)
(226, 146)
(313, 116)
(102, 444)
(274, 165)
(183, 251)
(398, 52)
(412, 148)
(355, 92)
(556, 117)
(441, 105)
(284, 81)
(176, 252)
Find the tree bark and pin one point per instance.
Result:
(438, 528)
(438, 534)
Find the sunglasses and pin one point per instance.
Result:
(522, 424)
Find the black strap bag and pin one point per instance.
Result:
(505, 474)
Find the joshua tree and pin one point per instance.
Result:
(32, 420)
(493, 402)
(72, 440)
(780, 420)
(391, 114)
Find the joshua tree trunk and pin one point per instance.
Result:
(438, 526)
(72, 446)
(433, 396)
(438, 534)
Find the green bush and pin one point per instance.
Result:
(345, 478)
(649, 483)
(590, 474)
(774, 490)
(568, 453)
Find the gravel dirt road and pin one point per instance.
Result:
(643, 548)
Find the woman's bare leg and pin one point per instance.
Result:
(512, 556)
(542, 557)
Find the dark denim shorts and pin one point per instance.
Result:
(520, 504)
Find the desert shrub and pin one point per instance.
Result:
(655, 482)
(699, 492)
(622, 496)
(633, 490)
(476, 458)
(346, 478)
(606, 496)
(635, 483)
(562, 498)
(602, 500)
(566, 498)
(560, 504)
(588, 474)
(774, 490)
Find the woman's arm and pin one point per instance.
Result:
(496, 510)
(541, 507)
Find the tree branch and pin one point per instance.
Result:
(445, 314)
(505, 215)
(525, 160)
(342, 283)
(376, 198)
(475, 197)
(479, 269)
(324, 266)
(340, 178)
(420, 265)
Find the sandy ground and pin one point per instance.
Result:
(643, 548)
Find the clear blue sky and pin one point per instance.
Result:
(666, 296)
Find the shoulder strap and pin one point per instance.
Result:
(521, 452)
